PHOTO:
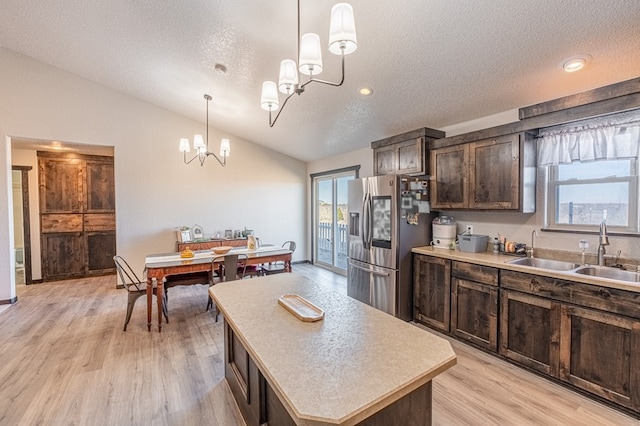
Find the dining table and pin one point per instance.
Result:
(160, 266)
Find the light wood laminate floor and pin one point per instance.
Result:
(66, 361)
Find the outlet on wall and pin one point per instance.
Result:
(469, 229)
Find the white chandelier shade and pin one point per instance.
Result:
(342, 30)
(184, 145)
(225, 148)
(269, 100)
(288, 77)
(310, 54)
(198, 142)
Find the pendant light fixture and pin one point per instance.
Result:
(202, 148)
(342, 41)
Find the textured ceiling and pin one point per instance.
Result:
(430, 63)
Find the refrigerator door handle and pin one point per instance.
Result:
(366, 222)
(382, 274)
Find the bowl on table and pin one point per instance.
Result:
(222, 249)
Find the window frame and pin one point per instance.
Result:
(553, 184)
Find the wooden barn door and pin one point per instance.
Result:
(77, 215)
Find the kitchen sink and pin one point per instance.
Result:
(610, 273)
(553, 265)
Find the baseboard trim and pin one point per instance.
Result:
(9, 301)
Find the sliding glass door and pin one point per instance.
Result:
(330, 219)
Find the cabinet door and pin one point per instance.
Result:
(474, 313)
(411, 157)
(245, 380)
(64, 255)
(530, 331)
(449, 167)
(101, 247)
(61, 185)
(600, 353)
(494, 173)
(100, 186)
(432, 291)
(384, 160)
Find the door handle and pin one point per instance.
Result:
(366, 222)
(381, 274)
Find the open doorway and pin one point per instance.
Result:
(21, 228)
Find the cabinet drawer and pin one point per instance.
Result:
(593, 296)
(473, 272)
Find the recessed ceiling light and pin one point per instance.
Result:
(365, 91)
(575, 63)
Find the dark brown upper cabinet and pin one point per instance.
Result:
(404, 154)
(492, 174)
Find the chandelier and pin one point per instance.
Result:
(202, 148)
(342, 41)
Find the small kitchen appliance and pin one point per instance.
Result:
(444, 232)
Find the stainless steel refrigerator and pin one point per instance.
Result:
(388, 216)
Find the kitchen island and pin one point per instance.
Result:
(357, 365)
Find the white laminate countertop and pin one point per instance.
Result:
(501, 261)
(339, 370)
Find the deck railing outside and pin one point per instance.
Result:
(325, 244)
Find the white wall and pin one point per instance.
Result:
(362, 157)
(155, 191)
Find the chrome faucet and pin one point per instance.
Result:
(534, 233)
(603, 240)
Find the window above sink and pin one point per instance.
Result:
(592, 173)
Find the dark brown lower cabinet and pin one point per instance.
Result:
(530, 331)
(245, 381)
(583, 334)
(596, 330)
(474, 304)
(600, 353)
(474, 313)
(432, 291)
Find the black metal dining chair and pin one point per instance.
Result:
(277, 267)
(135, 288)
(227, 267)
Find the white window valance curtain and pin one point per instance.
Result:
(606, 138)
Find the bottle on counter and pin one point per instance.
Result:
(251, 242)
(496, 246)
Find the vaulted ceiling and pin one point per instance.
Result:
(430, 63)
